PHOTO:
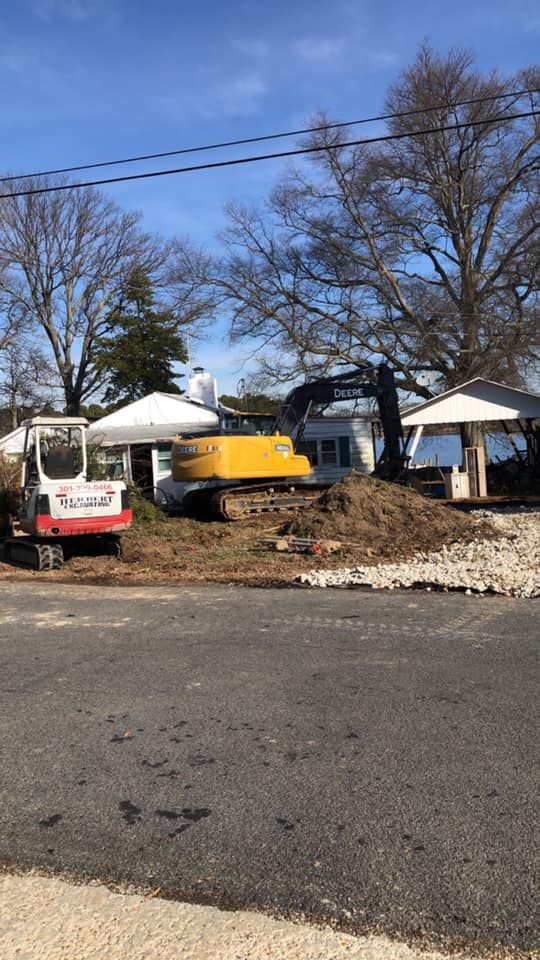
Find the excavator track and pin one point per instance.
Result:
(236, 503)
(33, 554)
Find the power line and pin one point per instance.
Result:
(269, 156)
(271, 136)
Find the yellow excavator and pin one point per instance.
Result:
(242, 474)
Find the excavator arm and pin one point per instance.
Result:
(345, 387)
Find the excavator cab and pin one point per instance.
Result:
(54, 451)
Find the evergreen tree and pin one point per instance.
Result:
(143, 344)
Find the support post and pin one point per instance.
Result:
(416, 440)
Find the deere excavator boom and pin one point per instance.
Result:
(346, 387)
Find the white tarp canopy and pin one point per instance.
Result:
(158, 416)
(13, 443)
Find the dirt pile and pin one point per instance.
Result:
(386, 519)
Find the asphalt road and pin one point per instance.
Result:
(339, 754)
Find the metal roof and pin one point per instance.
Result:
(55, 421)
(143, 433)
(477, 400)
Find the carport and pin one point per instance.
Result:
(507, 410)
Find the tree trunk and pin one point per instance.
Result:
(73, 402)
(14, 411)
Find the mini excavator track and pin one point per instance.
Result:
(33, 554)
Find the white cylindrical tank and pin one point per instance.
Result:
(202, 386)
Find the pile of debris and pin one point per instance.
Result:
(383, 520)
(508, 565)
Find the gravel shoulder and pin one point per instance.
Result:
(507, 565)
(45, 918)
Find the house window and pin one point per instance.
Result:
(320, 453)
(328, 452)
(309, 449)
(114, 464)
(164, 458)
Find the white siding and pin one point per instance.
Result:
(358, 432)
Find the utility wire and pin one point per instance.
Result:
(270, 136)
(270, 156)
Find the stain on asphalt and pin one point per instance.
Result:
(193, 814)
(196, 813)
(285, 823)
(168, 814)
(158, 763)
(199, 761)
(174, 833)
(51, 821)
(130, 811)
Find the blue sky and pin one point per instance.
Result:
(89, 80)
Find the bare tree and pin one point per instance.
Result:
(423, 251)
(28, 379)
(65, 257)
(11, 320)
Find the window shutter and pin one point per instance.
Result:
(344, 451)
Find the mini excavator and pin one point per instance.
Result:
(243, 474)
(60, 509)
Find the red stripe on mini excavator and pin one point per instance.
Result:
(47, 526)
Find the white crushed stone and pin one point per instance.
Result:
(43, 918)
(509, 565)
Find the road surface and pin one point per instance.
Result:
(364, 758)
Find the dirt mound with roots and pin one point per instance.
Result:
(386, 519)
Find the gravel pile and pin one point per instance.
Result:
(508, 565)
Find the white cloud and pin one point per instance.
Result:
(75, 11)
(15, 60)
(331, 51)
(210, 97)
(382, 58)
(241, 95)
(251, 47)
(320, 49)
